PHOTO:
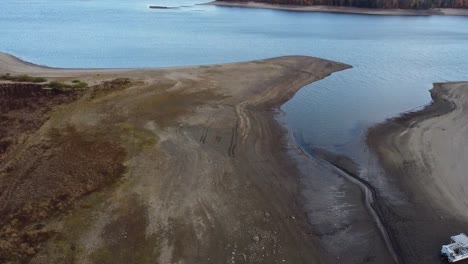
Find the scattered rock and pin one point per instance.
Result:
(267, 215)
(30, 251)
(256, 238)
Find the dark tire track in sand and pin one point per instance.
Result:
(233, 143)
(204, 135)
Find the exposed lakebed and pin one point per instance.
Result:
(395, 60)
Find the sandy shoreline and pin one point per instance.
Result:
(211, 174)
(425, 154)
(208, 175)
(346, 10)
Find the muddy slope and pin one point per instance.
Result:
(183, 165)
(424, 154)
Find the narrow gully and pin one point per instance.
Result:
(370, 202)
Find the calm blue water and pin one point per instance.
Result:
(395, 59)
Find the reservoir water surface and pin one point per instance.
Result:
(395, 59)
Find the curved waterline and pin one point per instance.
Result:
(370, 197)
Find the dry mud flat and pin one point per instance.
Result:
(425, 154)
(181, 165)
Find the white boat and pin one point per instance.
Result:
(457, 250)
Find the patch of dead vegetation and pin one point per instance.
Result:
(111, 86)
(24, 107)
(54, 174)
(138, 138)
(72, 164)
(166, 108)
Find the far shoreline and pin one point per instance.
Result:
(346, 10)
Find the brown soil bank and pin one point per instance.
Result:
(349, 9)
(182, 165)
(398, 4)
(426, 154)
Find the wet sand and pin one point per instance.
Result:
(425, 154)
(210, 175)
(347, 10)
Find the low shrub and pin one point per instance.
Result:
(76, 84)
(22, 78)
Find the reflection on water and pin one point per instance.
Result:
(395, 59)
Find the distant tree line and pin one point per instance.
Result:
(404, 4)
